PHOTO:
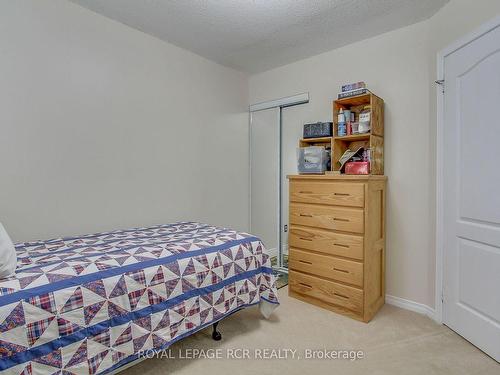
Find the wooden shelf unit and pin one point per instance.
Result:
(373, 140)
(327, 142)
(304, 142)
(354, 137)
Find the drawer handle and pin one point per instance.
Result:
(342, 194)
(306, 285)
(305, 239)
(340, 219)
(305, 192)
(340, 295)
(306, 215)
(341, 245)
(340, 270)
(305, 262)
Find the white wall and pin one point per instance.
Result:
(399, 66)
(452, 22)
(103, 127)
(391, 64)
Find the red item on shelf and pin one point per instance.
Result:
(357, 167)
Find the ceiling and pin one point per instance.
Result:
(257, 35)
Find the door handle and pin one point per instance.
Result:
(342, 194)
(340, 295)
(340, 219)
(306, 215)
(340, 270)
(306, 285)
(305, 239)
(341, 245)
(305, 262)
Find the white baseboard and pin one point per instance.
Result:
(411, 305)
(285, 249)
(273, 252)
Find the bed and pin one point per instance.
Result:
(93, 304)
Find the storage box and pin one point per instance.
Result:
(318, 129)
(312, 160)
(357, 167)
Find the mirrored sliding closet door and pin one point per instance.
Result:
(272, 158)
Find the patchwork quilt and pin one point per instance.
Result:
(90, 304)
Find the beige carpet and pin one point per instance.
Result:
(396, 341)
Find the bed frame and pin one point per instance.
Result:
(216, 335)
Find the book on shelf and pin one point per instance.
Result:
(353, 86)
(356, 92)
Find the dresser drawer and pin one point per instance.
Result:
(338, 269)
(326, 291)
(340, 193)
(327, 217)
(324, 241)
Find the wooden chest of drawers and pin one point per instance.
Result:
(337, 243)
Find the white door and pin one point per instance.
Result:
(471, 192)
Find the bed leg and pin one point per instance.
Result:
(216, 335)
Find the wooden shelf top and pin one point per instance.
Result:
(336, 177)
(356, 100)
(355, 137)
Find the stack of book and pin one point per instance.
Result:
(353, 89)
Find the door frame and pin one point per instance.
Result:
(462, 42)
(288, 101)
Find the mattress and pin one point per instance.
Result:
(91, 304)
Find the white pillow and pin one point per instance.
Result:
(8, 256)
